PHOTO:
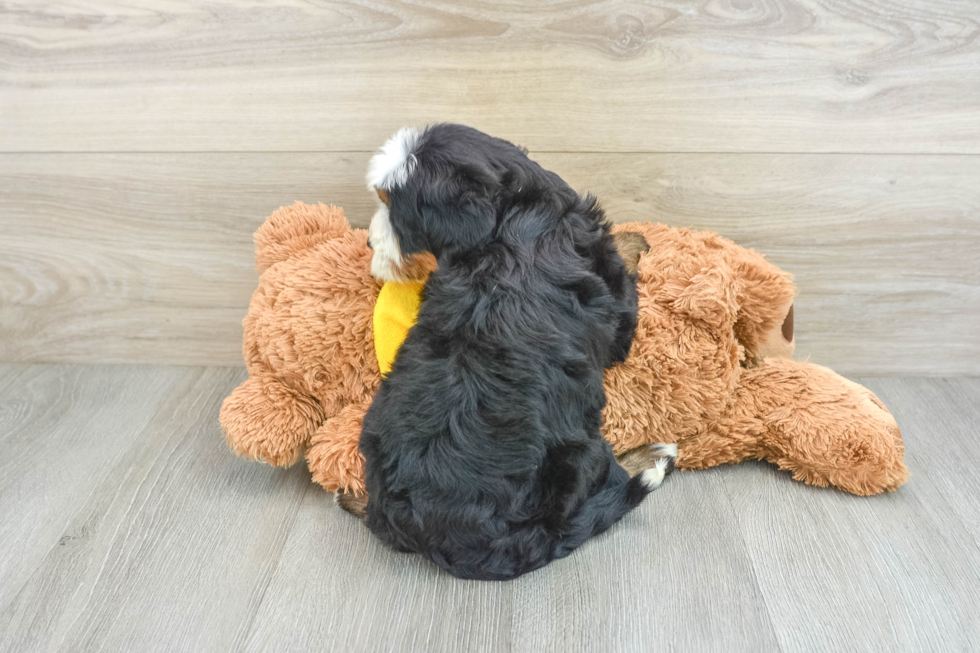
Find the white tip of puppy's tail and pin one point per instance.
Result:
(653, 477)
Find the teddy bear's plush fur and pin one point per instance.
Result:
(710, 368)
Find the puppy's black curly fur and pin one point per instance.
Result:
(482, 445)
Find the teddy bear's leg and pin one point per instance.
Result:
(264, 419)
(826, 430)
(890, 472)
(334, 457)
(722, 442)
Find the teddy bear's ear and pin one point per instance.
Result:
(765, 322)
(631, 246)
(295, 229)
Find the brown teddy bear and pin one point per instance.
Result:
(710, 368)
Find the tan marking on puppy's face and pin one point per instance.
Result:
(418, 267)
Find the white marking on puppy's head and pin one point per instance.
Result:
(390, 167)
(395, 160)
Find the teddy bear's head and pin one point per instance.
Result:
(705, 305)
(310, 317)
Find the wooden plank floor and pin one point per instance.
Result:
(128, 525)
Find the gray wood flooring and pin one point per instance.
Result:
(127, 525)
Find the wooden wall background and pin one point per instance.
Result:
(141, 143)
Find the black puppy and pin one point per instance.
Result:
(482, 445)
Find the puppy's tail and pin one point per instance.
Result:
(535, 543)
(618, 496)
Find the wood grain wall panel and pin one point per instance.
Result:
(560, 75)
(148, 257)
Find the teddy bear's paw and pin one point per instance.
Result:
(655, 461)
(265, 420)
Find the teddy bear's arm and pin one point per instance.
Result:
(265, 419)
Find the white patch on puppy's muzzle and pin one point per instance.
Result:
(386, 262)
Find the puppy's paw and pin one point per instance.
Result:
(350, 502)
(649, 456)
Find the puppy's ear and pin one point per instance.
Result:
(459, 225)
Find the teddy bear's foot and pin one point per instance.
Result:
(266, 420)
(869, 456)
(659, 457)
(825, 429)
